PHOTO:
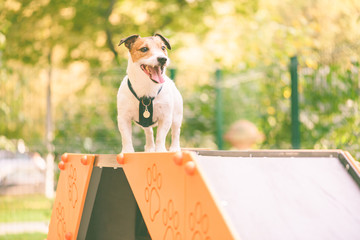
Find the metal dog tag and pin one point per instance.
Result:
(146, 113)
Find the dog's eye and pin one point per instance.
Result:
(144, 49)
(163, 48)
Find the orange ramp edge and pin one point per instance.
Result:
(71, 192)
(173, 197)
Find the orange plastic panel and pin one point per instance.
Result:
(158, 185)
(70, 196)
(173, 198)
(203, 219)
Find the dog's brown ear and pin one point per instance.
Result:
(164, 39)
(129, 41)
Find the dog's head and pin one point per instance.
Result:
(149, 54)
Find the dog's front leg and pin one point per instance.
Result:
(162, 130)
(126, 135)
(150, 145)
(175, 137)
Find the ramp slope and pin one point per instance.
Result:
(284, 197)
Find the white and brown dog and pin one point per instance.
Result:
(147, 96)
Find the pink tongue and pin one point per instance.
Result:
(155, 73)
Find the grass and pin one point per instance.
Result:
(24, 209)
(24, 236)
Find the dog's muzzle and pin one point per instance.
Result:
(155, 73)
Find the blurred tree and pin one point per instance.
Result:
(251, 41)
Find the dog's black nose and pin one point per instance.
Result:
(162, 60)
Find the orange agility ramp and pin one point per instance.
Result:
(216, 195)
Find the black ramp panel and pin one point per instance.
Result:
(115, 214)
(284, 198)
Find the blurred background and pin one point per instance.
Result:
(289, 70)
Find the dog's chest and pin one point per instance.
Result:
(146, 114)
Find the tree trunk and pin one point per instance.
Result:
(49, 136)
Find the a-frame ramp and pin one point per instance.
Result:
(214, 195)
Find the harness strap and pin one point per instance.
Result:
(145, 107)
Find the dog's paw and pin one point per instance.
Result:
(128, 150)
(149, 148)
(175, 149)
(161, 149)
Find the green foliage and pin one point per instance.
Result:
(329, 105)
(333, 94)
(251, 41)
(199, 118)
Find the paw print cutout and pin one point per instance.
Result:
(61, 226)
(199, 224)
(171, 221)
(152, 196)
(73, 192)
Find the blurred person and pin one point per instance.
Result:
(243, 135)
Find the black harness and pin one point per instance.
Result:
(145, 108)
